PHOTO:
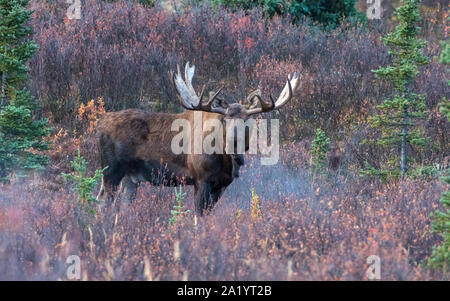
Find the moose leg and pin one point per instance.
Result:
(128, 188)
(216, 193)
(111, 179)
(101, 192)
(202, 197)
(107, 190)
(107, 159)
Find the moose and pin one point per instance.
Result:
(135, 145)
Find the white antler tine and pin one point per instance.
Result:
(189, 72)
(296, 81)
(285, 89)
(186, 68)
(188, 97)
(178, 71)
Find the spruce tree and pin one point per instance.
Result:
(21, 135)
(440, 257)
(399, 117)
(319, 149)
(445, 59)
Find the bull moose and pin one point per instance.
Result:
(135, 145)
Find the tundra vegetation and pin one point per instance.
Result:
(319, 149)
(274, 222)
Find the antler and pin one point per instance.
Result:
(285, 96)
(191, 101)
(188, 97)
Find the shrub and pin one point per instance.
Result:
(319, 149)
(84, 185)
(327, 13)
(427, 172)
(178, 211)
(255, 206)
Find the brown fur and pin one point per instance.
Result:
(334, 159)
(136, 146)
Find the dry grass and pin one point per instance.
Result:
(320, 231)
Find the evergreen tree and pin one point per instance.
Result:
(440, 257)
(445, 59)
(398, 118)
(319, 149)
(83, 184)
(21, 136)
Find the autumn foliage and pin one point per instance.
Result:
(274, 222)
(122, 51)
(297, 231)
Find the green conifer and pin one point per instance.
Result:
(440, 257)
(21, 135)
(399, 117)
